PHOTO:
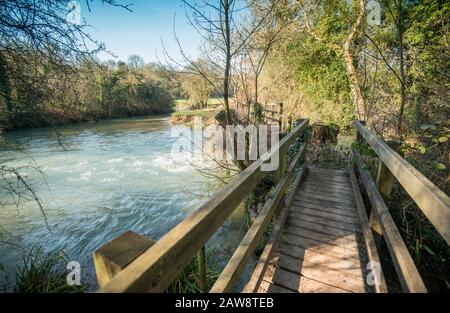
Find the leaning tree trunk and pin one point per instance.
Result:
(355, 86)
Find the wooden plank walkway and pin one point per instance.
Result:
(321, 248)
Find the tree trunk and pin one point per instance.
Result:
(402, 69)
(226, 80)
(355, 86)
(5, 90)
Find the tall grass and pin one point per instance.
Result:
(40, 272)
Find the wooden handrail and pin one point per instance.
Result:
(156, 268)
(233, 270)
(369, 240)
(433, 202)
(253, 284)
(407, 272)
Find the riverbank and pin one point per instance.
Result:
(59, 118)
(187, 116)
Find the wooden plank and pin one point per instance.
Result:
(156, 268)
(321, 273)
(348, 212)
(433, 202)
(326, 182)
(342, 223)
(319, 247)
(326, 196)
(348, 241)
(332, 190)
(233, 270)
(350, 265)
(329, 179)
(328, 215)
(327, 199)
(323, 195)
(318, 227)
(318, 187)
(406, 269)
(327, 171)
(323, 221)
(270, 248)
(369, 241)
(302, 284)
(323, 203)
(267, 287)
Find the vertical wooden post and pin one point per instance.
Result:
(280, 118)
(359, 138)
(375, 224)
(385, 179)
(373, 220)
(202, 268)
(282, 166)
(289, 123)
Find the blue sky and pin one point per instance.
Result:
(140, 32)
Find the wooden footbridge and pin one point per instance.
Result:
(322, 237)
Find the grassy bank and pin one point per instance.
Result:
(187, 116)
(41, 272)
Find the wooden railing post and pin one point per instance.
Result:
(359, 137)
(280, 118)
(373, 220)
(282, 165)
(385, 179)
(202, 268)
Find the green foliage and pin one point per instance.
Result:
(364, 149)
(197, 89)
(129, 91)
(259, 194)
(63, 93)
(427, 149)
(427, 41)
(318, 68)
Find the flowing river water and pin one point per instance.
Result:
(103, 179)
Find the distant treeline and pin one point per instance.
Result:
(38, 91)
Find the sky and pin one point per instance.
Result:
(141, 31)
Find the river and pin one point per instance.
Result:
(103, 179)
